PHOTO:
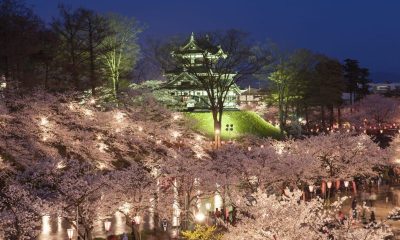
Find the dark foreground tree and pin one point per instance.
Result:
(95, 30)
(20, 31)
(356, 79)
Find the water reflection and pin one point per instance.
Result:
(55, 228)
(119, 223)
(46, 227)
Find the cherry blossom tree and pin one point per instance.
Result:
(285, 217)
(83, 191)
(342, 155)
(374, 110)
(93, 158)
(274, 165)
(84, 147)
(20, 210)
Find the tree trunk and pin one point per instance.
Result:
(46, 76)
(323, 117)
(217, 127)
(281, 118)
(88, 234)
(92, 59)
(74, 73)
(339, 116)
(6, 70)
(306, 113)
(351, 101)
(332, 116)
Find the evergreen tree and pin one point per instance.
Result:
(356, 79)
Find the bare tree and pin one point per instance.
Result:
(68, 28)
(122, 46)
(96, 30)
(228, 57)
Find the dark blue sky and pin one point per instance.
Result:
(367, 30)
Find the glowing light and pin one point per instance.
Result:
(119, 226)
(176, 206)
(125, 208)
(46, 226)
(346, 183)
(329, 184)
(175, 134)
(311, 188)
(217, 200)
(154, 172)
(44, 121)
(151, 214)
(262, 146)
(119, 116)
(208, 206)
(176, 117)
(249, 149)
(102, 147)
(71, 106)
(101, 165)
(137, 219)
(61, 165)
(140, 128)
(70, 233)
(88, 112)
(59, 223)
(279, 148)
(253, 179)
(200, 217)
(107, 225)
(217, 132)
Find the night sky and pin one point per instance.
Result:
(367, 30)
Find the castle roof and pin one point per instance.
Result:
(193, 47)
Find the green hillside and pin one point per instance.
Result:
(244, 122)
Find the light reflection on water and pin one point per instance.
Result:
(46, 226)
(55, 228)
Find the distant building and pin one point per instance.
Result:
(251, 96)
(383, 87)
(182, 83)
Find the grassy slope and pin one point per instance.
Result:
(244, 122)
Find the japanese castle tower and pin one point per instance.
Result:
(183, 84)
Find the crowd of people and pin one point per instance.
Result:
(221, 216)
